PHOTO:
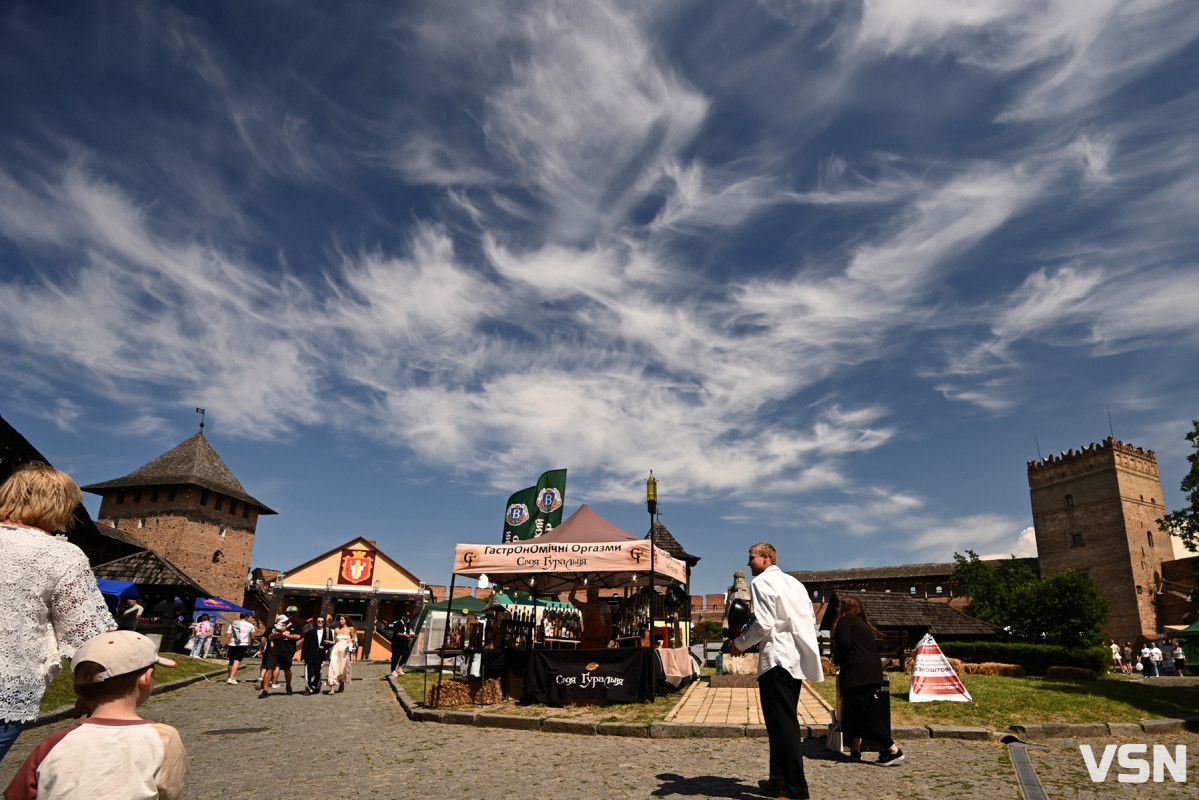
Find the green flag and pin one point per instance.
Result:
(518, 515)
(547, 500)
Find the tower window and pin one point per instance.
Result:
(218, 556)
(220, 500)
(204, 497)
(1069, 501)
(171, 493)
(137, 495)
(232, 507)
(245, 511)
(141, 522)
(912, 590)
(1150, 535)
(1077, 539)
(121, 496)
(939, 590)
(154, 495)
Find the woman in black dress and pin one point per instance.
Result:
(859, 678)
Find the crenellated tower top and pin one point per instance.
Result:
(1108, 447)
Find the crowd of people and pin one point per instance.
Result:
(1151, 660)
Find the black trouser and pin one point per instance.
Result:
(312, 675)
(399, 651)
(862, 716)
(779, 692)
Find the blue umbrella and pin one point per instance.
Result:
(117, 588)
(217, 604)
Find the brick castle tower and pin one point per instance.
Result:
(1095, 511)
(187, 505)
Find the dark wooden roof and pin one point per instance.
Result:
(943, 570)
(893, 610)
(664, 539)
(150, 568)
(193, 462)
(876, 573)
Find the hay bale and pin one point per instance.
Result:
(1070, 673)
(995, 668)
(460, 693)
(826, 664)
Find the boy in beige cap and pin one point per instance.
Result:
(115, 754)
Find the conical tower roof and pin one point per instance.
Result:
(664, 539)
(192, 463)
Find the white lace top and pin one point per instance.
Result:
(49, 605)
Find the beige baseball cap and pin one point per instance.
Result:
(119, 652)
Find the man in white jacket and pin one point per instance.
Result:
(785, 627)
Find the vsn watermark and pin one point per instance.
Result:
(1133, 766)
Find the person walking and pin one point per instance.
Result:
(237, 643)
(339, 660)
(203, 636)
(1115, 648)
(855, 651)
(1155, 655)
(314, 651)
(49, 601)
(401, 639)
(785, 627)
(1180, 658)
(1126, 663)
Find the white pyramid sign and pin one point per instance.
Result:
(933, 677)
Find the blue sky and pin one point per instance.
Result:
(834, 271)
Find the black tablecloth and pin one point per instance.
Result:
(617, 674)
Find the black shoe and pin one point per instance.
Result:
(855, 755)
(307, 691)
(263, 693)
(886, 759)
(289, 690)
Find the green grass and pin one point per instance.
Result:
(1001, 702)
(997, 702)
(61, 692)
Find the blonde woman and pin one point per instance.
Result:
(49, 602)
(345, 636)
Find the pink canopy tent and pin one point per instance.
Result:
(584, 546)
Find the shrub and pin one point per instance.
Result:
(1070, 673)
(1036, 659)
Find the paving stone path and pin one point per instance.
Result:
(359, 744)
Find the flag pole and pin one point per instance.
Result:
(651, 502)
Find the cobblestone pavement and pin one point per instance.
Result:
(359, 744)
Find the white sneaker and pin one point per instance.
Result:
(231, 681)
(276, 685)
(394, 673)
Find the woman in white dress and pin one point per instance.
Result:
(345, 636)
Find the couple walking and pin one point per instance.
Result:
(337, 646)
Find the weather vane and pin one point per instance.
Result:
(200, 411)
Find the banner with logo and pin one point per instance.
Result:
(536, 510)
(933, 677)
(518, 515)
(550, 494)
(507, 563)
(357, 567)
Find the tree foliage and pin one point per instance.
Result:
(1066, 609)
(707, 631)
(1184, 523)
(991, 589)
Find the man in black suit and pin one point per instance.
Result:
(318, 641)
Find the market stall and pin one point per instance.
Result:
(584, 553)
